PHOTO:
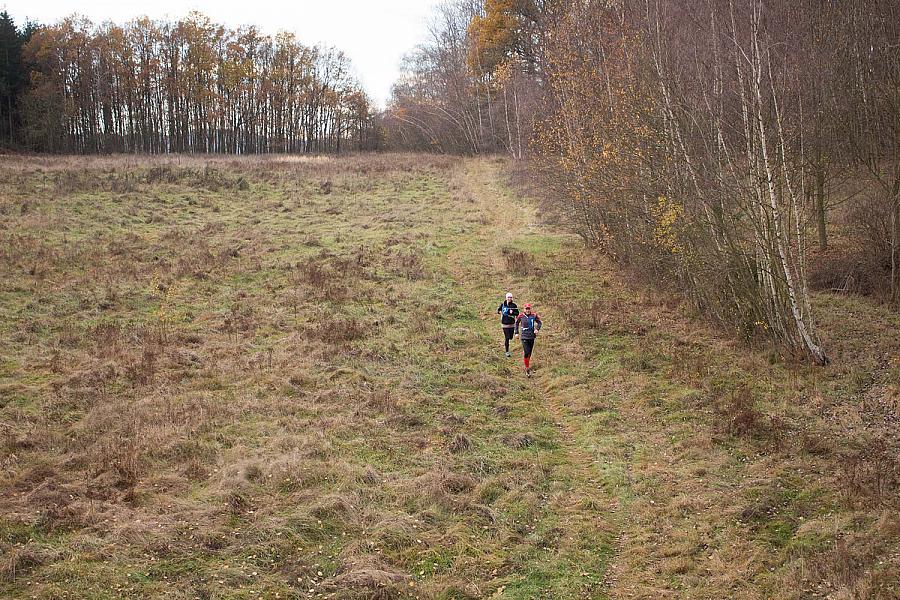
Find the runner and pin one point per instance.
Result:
(527, 326)
(508, 312)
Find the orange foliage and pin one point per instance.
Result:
(493, 36)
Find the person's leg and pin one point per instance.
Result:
(527, 347)
(507, 336)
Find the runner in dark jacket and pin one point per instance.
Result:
(508, 312)
(527, 326)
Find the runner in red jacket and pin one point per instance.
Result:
(527, 326)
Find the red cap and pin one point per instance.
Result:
(527, 306)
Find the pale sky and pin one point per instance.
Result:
(374, 34)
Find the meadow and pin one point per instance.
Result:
(283, 378)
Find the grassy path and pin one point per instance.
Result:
(646, 498)
(585, 510)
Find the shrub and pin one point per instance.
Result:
(519, 262)
(869, 474)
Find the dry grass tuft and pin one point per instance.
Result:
(741, 418)
(368, 577)
(369, 476)
(460, 443)
(340, 330)
(520, 262)
(519, 441)
(18, 562)
(840, 565)
(120, 461)
(444, 482)
(870, 474)
(238, 503)
(408, 265)
(335, 506)
(383, 400)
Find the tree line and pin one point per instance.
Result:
(694, 142)
(471, 88)
(185, 86)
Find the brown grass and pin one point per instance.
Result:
(18, 562)
(212, 375)
(519, 262)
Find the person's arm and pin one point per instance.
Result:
(500, 308)
(537, 320)
(519, 318)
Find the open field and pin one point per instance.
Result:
(283, 378)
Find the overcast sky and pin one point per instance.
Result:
(375, 34)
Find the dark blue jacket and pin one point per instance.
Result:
(527, 326)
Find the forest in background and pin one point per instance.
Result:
(187, 86)
(736, 151)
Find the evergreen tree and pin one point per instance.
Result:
(12, 76)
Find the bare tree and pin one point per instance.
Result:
(188, 86)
